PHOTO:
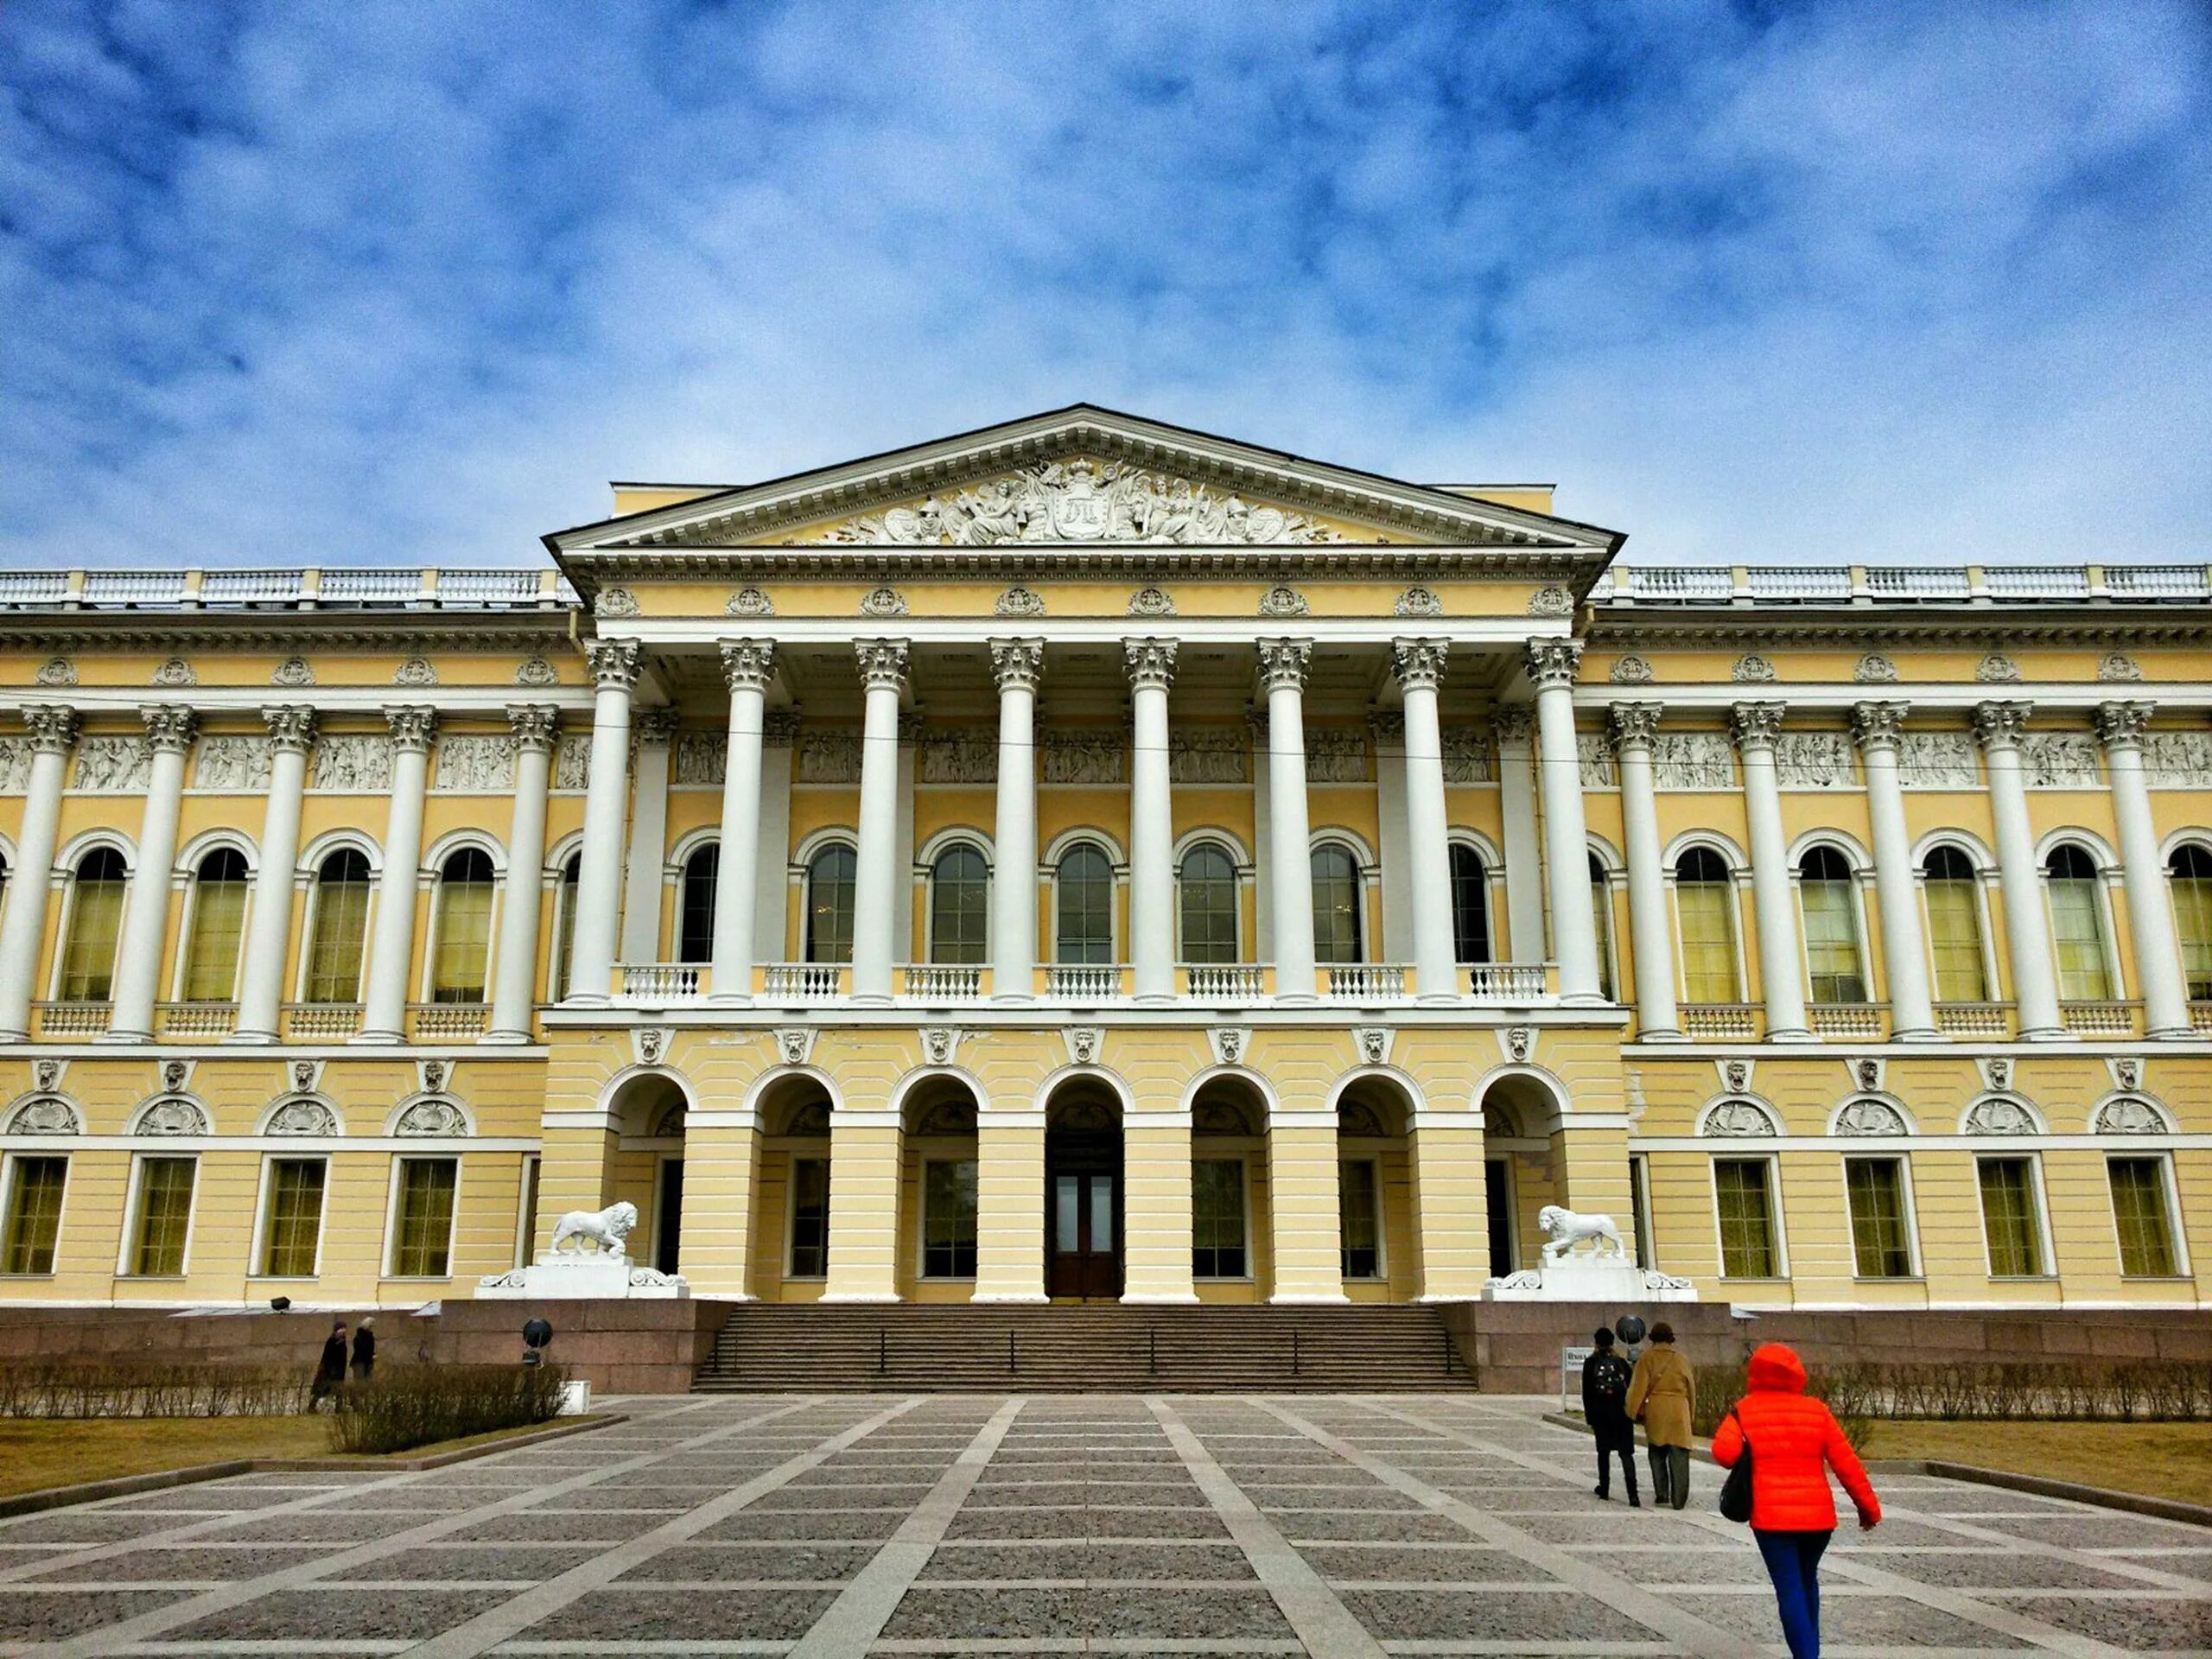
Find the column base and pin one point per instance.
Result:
(1016, 1296)
(1445, 1301)
(875, 1296)
(503, 1038)
(2178, 1033)
(2045, 1035)
(112, 1035)
(1295, 999)
(730, 1000)
(1154, 999)
(587, 1000)
(1439, 999)
(1794, 1034)
(251, 1037)
(1586, 999)
(364, 1039)
(1919, 1034)
(1664, 1034)
(1160, 1298)
(15, 1036)
(869, 999)
(1309, 1298)
(1013, 996)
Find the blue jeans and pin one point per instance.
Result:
(1793, 1561)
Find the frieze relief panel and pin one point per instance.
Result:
(1469, 758)
(572, 761)
(351, 763)
(1336, 757)
(1813, 760)
(475, 764)
(111, 764)
(1693, 760)
(1936, 760)
(965, 754)
(701, 759)
(234, 763)
(2178, 760)
(1200, 756)
(1082, 757)
(826, 757)
(14, 765)
(1595, 754)
(2059, 759)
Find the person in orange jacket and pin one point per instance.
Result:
(1795, 1440)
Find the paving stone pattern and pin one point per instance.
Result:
(939, 1526)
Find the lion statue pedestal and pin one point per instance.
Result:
(1602, 1273)
(586, 1258)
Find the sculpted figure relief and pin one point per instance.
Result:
(239, 763)
(354, 762)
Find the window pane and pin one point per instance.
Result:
(949, 1219)
(564, 926)
(1954, 938)
(695, 927)
(1878, 1232)
(95, 917)
(2192, 895)
(2008, 1218)
(1359, 1216)
(425, 1220)
(1208, 899)
(294, 1228)
(1084, 903)
(809, 1218)
(164, 1212)
(1831, 941)
(1217, 1218)
(1747, 1247)
(1705, 913)
(829, 906)
(1101, 1215)
(210, 963)
(1067, 1210)
(2138, 1205)
(34, 1214)
(1601, 911)
(960, 892)
(464, 942)
(2077, 927)
(341, 925)
(1470, 905)
(1336, 905)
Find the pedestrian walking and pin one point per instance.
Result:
(1792, 1440)
(1662, 1396)
(1605, 1408)
(330, 1373)
(365, 1349)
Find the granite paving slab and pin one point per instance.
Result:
(649, 1614)
(52, 1615)
(1852, 1620)
(185, 1561)
(340, 1614)
(2150, 1623)
(821, 1563)
(1088, 1562)
(526, 1563)
(1492, 1615)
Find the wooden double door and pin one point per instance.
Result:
(1083, 1216)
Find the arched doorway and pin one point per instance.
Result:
(939, 1191)
(1083, 1192)
(1519, 1173)
(1375, 1220)
(648, 1112)
(791, 1233)
(1230, 1256)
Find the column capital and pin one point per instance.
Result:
(1554, 662)
(412, 728)
(1511, 722)
(1150, 662)
(748, 664)
(1878, 724)
(882, 664)
(1755, 725)
(1418, 664)
(53, 729)
(536, 726)
(613, 663)
(1998, 725)
(291, 727)
(1389, 725)
(779, 728)
(1284, 664)
(1633, 725)
(170, 728)
(2121, 725)
(911, 726)
(1017, 664)
(654, 727)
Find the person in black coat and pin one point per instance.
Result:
(330, 1374)
(364, 1349)
(1604, 1406)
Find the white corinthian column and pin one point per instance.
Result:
(2149, 910)
(269, 930)
(391, 945)
(1283, 664)
(613, 664)
(2035, 975)
(1897, 892)
(875, 884)
(1634, 727)
(23, 929)
(146, 916)
(1781, 969)
(1017, 664)
(514, 986)
(1552, 667)
(747, 667)
(1420, 666)
(1151, 664)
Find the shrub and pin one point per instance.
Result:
(2146, 1391)
(407, 1406)
(147, 1387)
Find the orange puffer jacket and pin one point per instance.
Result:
(1792, 1437)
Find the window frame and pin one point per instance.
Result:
(2046, 1260)
(396, 1181)
(258, 1261)
(686, 880)
(806, 902)
(1606, 885)
(188, 924)
(132, 1244)
(2189, 844)
(2100, 885)
(932, 883)
(561, 943)
(434, 945)
(303, 977)
(1771, 1163)
(1639, 1204)
(1338, 844)
(1977, 880)
(1243, 1164)
(1236, 885)
(2170, 1200)
(1381, 1275)
(791, 1215)
(1732, 890)
(1456, 848)
(532, 1174)
(1854, 908)
(72, 899)
(922, 1245)
(1114, 944)
(1907, 1218)
(10, 1162)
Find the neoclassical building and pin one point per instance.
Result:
(1086, 858)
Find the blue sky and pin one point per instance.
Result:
(407, 283)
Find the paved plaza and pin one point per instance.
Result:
(950, 1525)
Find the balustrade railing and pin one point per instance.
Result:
(942, 981)
(309, 1020)
(2100, 1019)
(804, 981)
(1226, 982)
(253, 587)
(1679, 584)
(73, 1019)
(1847, 1019)
(2157, 580)
(1958, 584)
(662, 981)
(197, 1019)
(488, 587)
(1888, 582)
(33, 587)
(367, 587)
(1728, 1019)
(1506, 981)
(1975, 1019)
(1083, 981)
(436, 1020)
(126, 589)
(2036, 580)
(2200, 1015)
(1797, 583)
(1367, 982)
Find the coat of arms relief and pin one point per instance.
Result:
(1085, 501)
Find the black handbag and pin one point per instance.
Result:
(1736, 1490)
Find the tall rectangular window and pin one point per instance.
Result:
(1639, 1205)
(1832, 942)
(527, 1216)
(422, 1237)
(164, 1215)
(948, 1218)
(34, 1214)
(2009, 1218)
(291, 1231)
(1705, 910)
(2146, 1226)
(1954, 940)
(210, 965)
(1745, 1189)
(809, 1218)
(1881, 1245)
(2077, 928)
(1217, 1218)
(1360, 1216)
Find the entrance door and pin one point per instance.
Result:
(1498, 1194)
(668, 1214)
(1082, 1218)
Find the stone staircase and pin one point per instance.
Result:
(1094, 1347)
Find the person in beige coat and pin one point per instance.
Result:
(1662, 1396)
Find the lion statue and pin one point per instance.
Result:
(606, 1229)
(1568, 1229)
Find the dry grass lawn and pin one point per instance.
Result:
(2171, 1461)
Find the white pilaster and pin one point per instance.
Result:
(2027, 930)
(2121, 727)
(1017, 664)
(875, 909)
(1419, 667)
(1283, 665)
(772, 889)
(1896, 888)
(269, 924)
(1151, 664)
(1782, 968)
(1650, 939)
(645, 878)
(1394, 848)
(392, 944)
(1552, 667)
(1512, 725)
(747, 667)
(139, 954)
(22, 928)
(514, 984)
(613, 664)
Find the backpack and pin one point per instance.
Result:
(1609, 1379)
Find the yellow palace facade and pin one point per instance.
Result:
(1086, 858)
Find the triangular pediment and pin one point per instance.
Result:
(1080, 477)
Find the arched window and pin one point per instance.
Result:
(1084, 906)
(1704, 917)
(1470, 905)
(95, 919)
(337, 929)
(694, 925)
(1830, 907)
(564, 923)
(461, 949)
(211, 957)
(1954, 927)
(829, 903)
(2077, 924)
(1601, 909)
(1335, 904)
(2192, 887)
(960, 896)
(1208, 894)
